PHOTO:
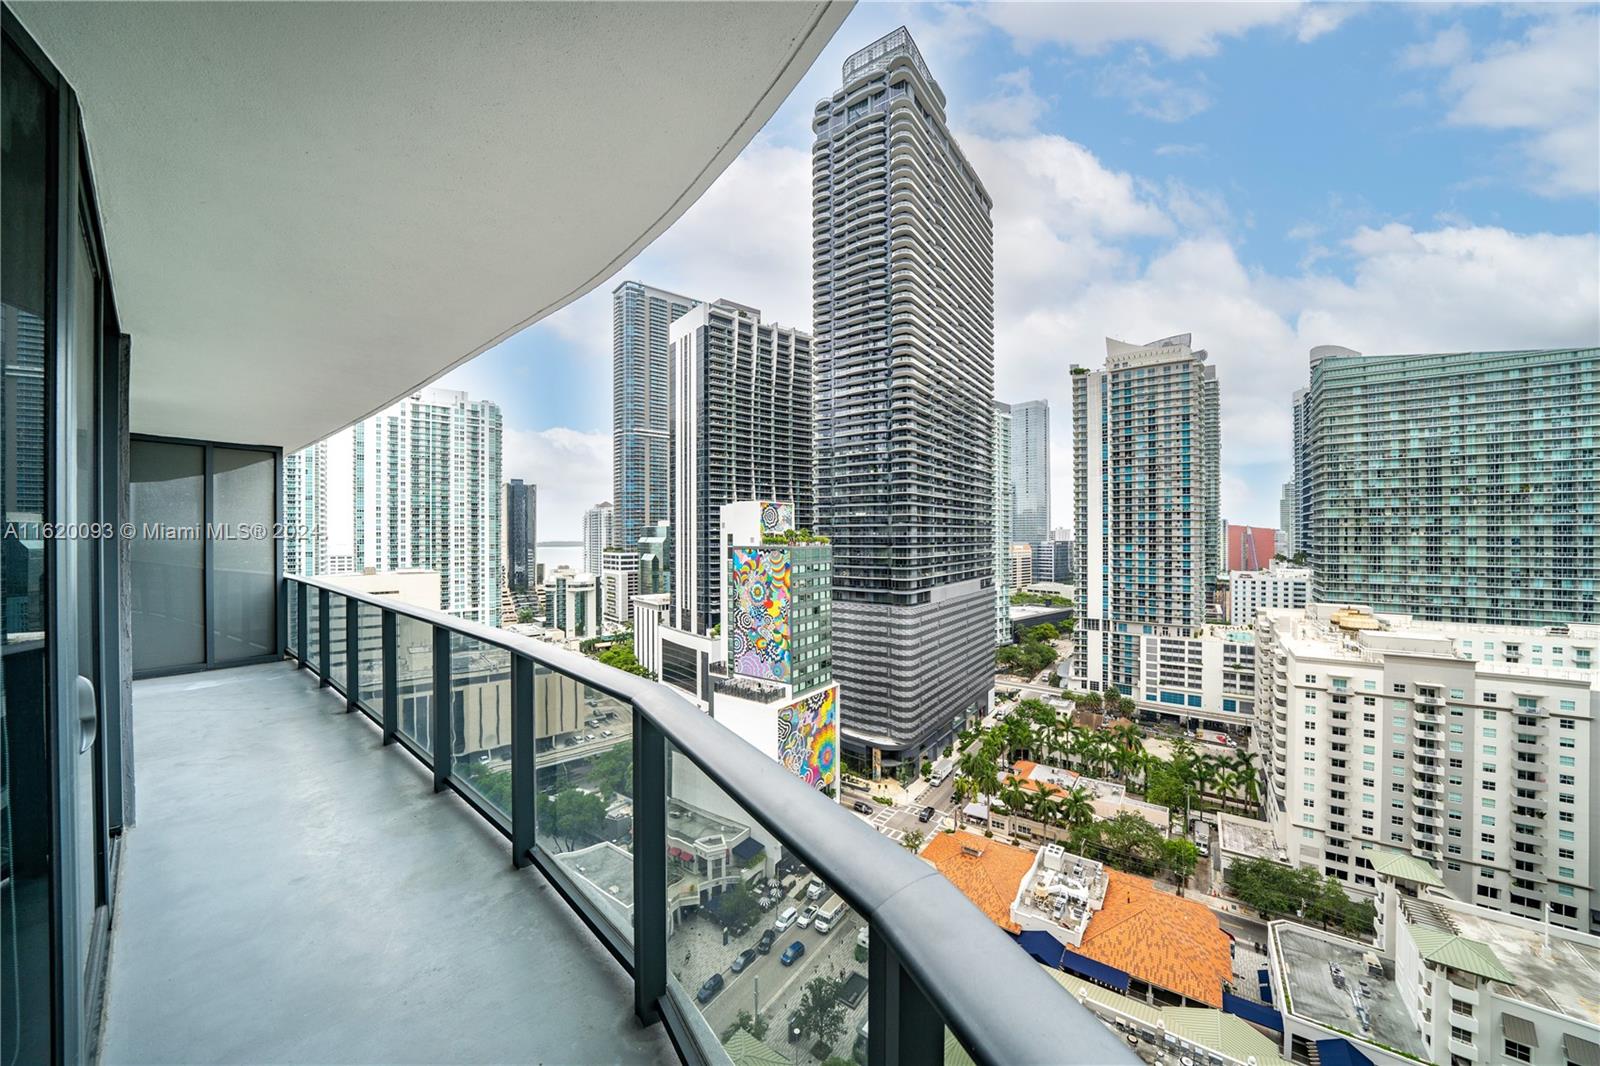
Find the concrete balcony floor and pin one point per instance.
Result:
(294, 893)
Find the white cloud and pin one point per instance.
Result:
(1446, 48)
(1547, 86)
(1180, 149)
(1014, 109)
(1177, 29)
(572, 470)
(1148, 94)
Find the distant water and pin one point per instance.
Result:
(552, 557)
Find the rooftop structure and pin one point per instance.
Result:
(1060, 894)
(986, 871)
(1169, 943)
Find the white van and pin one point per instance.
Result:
(786, 919)
(828, 915)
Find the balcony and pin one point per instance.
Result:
(511, 755)
(289, 876)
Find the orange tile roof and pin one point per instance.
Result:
(986, 871)
(1172, 943)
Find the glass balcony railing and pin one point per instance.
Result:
(748, 908)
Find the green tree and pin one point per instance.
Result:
(1077, 809)
(526, 616)
(1042, 631)
(756, 1025)
(738, 907)
(820, 1014)
(573, 817)
(913, 841)
(612, 770)
(1182, 856)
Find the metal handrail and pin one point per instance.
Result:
(1000, 1003)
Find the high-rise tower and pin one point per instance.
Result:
(1004, 501)
(903, 298)
(1145, 497)
(1030, 481)
(1457, 487)
(522, 533)
(641, 471)
(741, 430)
(429, 493)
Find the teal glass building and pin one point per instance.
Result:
(1460, 486)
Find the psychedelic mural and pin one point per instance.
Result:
(758, 632)
(808, 737)
(776, 517)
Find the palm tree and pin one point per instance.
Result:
(1044, 808)
(1248, 777)
(1127, 736)
(981, 769)
(1076, 808)
(1206, 771)
(1014, 798)
(963, 792)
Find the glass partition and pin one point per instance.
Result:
(314, 627)
(584, 782)
(244, 506)
(414, 680)
(166, 502)
(336, 641)
(760, 950)
(294, 617)
(369, 657)
(480, 720)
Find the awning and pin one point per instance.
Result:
(748, 848)
(1581, 1052)
(1091, 970)
(1251, 1011)
(1519, 1029)
(1042, 946)
(1340, 1052)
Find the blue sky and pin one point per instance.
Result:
(1267, 177)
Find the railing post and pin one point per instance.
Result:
(441, 708)
(524, 796)
(903, 1027)
(391, 678)
(324, 637)
(649, 868)
(352, 654)
(285, 590)
(303, 626)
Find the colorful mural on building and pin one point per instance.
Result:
(808, 737)
(776, 517)
(758, 631)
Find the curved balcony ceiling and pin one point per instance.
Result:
(313, 209)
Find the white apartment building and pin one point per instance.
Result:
(1004, 498)
(1471, 747)
(1278, 586)
(571, 603)
(1446, 982)
(599, 533)
(619, 584)
(428, 496)
(1205, 677)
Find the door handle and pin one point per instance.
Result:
(88, 714)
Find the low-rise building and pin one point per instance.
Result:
(572, 602)
(619, 584)
(1021, 559)
(1447, 982)
(1205, 678)
(1109, 799)
(1470, 747)
(1279, 587)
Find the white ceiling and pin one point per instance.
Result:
(311, 209)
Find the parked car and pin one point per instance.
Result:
(861, 937)
(786, 919)
(806, 915)
(925, 815)
(746, 957)
(815, 889)
(708, 990)
(1203, 849)
(764, 945)
(790, 954)
(862, 806)
(794, 1027)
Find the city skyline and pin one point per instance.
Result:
(1134, 171)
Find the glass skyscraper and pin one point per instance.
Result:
(641, 421)
(903, 300)
(1030, 481)
(1462, 487)
(1145, 494)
